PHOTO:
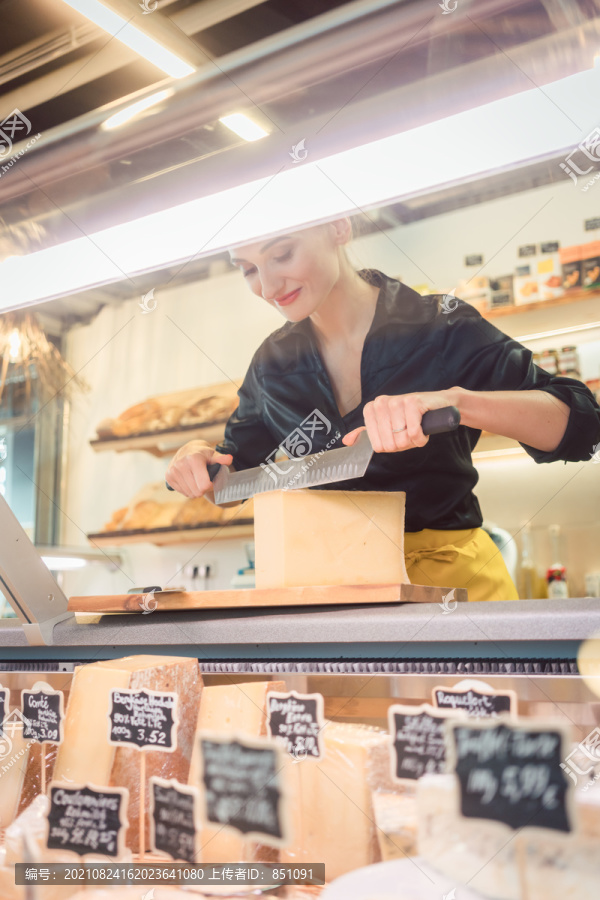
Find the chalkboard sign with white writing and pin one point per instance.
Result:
(87, 820)
(511, 772)
(4, 706)
(475, 699)
(298, 719)
(174, 819)
(475, 259)
(244, 788)
(43, 712)
(417, 734)
(146, 719)
(528, 250)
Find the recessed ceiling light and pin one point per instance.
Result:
(122, 29)
(244, 127)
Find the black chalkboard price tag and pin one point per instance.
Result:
(87, 819)
(43, 714)
(243, 786)
(417, 734)
(477, 699)
(144, 719)
(298, 719)
(174, 819)
(510, 771)
(475, 259)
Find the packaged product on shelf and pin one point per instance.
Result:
(568, 362)
(86, 756)
(548, 361)
(571, 264)
(594, 386)
(476, 291)
(502, 291)
(526, 286)
(590, 265)
(549, 275)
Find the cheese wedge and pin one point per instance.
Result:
(13, 767)
(225, 709)
(396, 821)
(332, 800)
(310, 537)
(85, 756)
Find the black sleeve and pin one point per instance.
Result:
(246, 436)
(480, 357)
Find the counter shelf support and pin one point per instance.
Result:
(27, 583)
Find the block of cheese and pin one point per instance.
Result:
(85, 756)
(332, 800)
(15, 752)
(396, 821)
(310, 537)
(32, 783)
(557, 866)
(476, 852)
(224, 709)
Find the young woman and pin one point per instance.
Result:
(363, 350)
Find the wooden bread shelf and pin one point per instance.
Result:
(326, 595)
(164, 537)
(163, 443)
(539, 305)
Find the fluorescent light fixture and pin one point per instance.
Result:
(63, 563)
(125, 115)
(525, 126)
(540, 335)
(244, 127)
(132, 37)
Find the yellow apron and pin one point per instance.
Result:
(460, 559)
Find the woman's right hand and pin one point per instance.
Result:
(187, 472)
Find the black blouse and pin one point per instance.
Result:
(413, 345)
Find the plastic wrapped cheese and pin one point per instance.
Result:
(332, 800)
(310, 537)
(86, 756)
(396, 821)
(13, 769)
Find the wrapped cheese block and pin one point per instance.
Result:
(32, 782)
(332, 800)
(396, 821)
(558, 866)
(224, 709)
(86, 756)
(13, 769)
(310, 537)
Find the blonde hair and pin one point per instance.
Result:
(359, 227)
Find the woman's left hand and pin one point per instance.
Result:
(394, 423)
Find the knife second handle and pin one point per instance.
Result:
(212, 469)
(437, 421)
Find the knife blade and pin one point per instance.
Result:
(324, 467)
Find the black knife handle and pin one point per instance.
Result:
(437, 421)
(212, 469)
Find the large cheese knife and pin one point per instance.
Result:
(325, 467)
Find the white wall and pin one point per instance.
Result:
(207, 332)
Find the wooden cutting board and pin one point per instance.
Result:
(270, 597)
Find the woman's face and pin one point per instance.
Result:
(295, 272)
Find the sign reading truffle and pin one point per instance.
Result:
(243, 786)
(511, 772)
(146, 719)
(86, 819)
(298, 719)
(43, 714)
(476, 699)
(417, 734)
(174, 819)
